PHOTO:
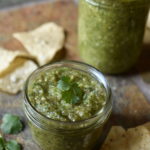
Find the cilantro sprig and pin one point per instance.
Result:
(9, 145)
(2, 143)
(71, 92)
(12, 145)
(11, 124)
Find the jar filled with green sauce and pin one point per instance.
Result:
(111, 33)
(57, 124)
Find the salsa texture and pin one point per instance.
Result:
(111, 33)
(66, 94)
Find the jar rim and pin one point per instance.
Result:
(117, 5)
(107, 107)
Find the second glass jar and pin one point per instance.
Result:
(111, 33)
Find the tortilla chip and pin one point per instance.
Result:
(147, 126)
(138, 138)
(148, 21)
(147, 36)
(7, 57)
(12, 80)
(133, 139)
(116, 139)
(43, 42)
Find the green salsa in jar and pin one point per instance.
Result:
(111, 33)
(67, 104)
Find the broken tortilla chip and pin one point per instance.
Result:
(7, 57)
(137, 138)
(147, 126)
(148, 21)
(116, 139)
(43, 42)
(13, 79)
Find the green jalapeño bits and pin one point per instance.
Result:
(11, 124)
(111, 33)
(66, 94)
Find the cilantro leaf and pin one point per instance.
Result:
(11, 124)
(77, 90)
(70, 97)
(12, 145)
(63, 84)
(65, 79)
(2, 143)
(75, 99)
(71, 92)
(67, 96)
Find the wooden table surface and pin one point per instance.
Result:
(131, 91)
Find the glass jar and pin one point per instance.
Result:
(111, 33)
(50, 134)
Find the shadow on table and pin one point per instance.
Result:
(127, 121)
(60, 55)
(143, 65)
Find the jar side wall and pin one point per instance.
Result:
(82, 139)
(57, 141)
(112, 37)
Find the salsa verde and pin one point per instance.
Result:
(66, 94)
(111, 32)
